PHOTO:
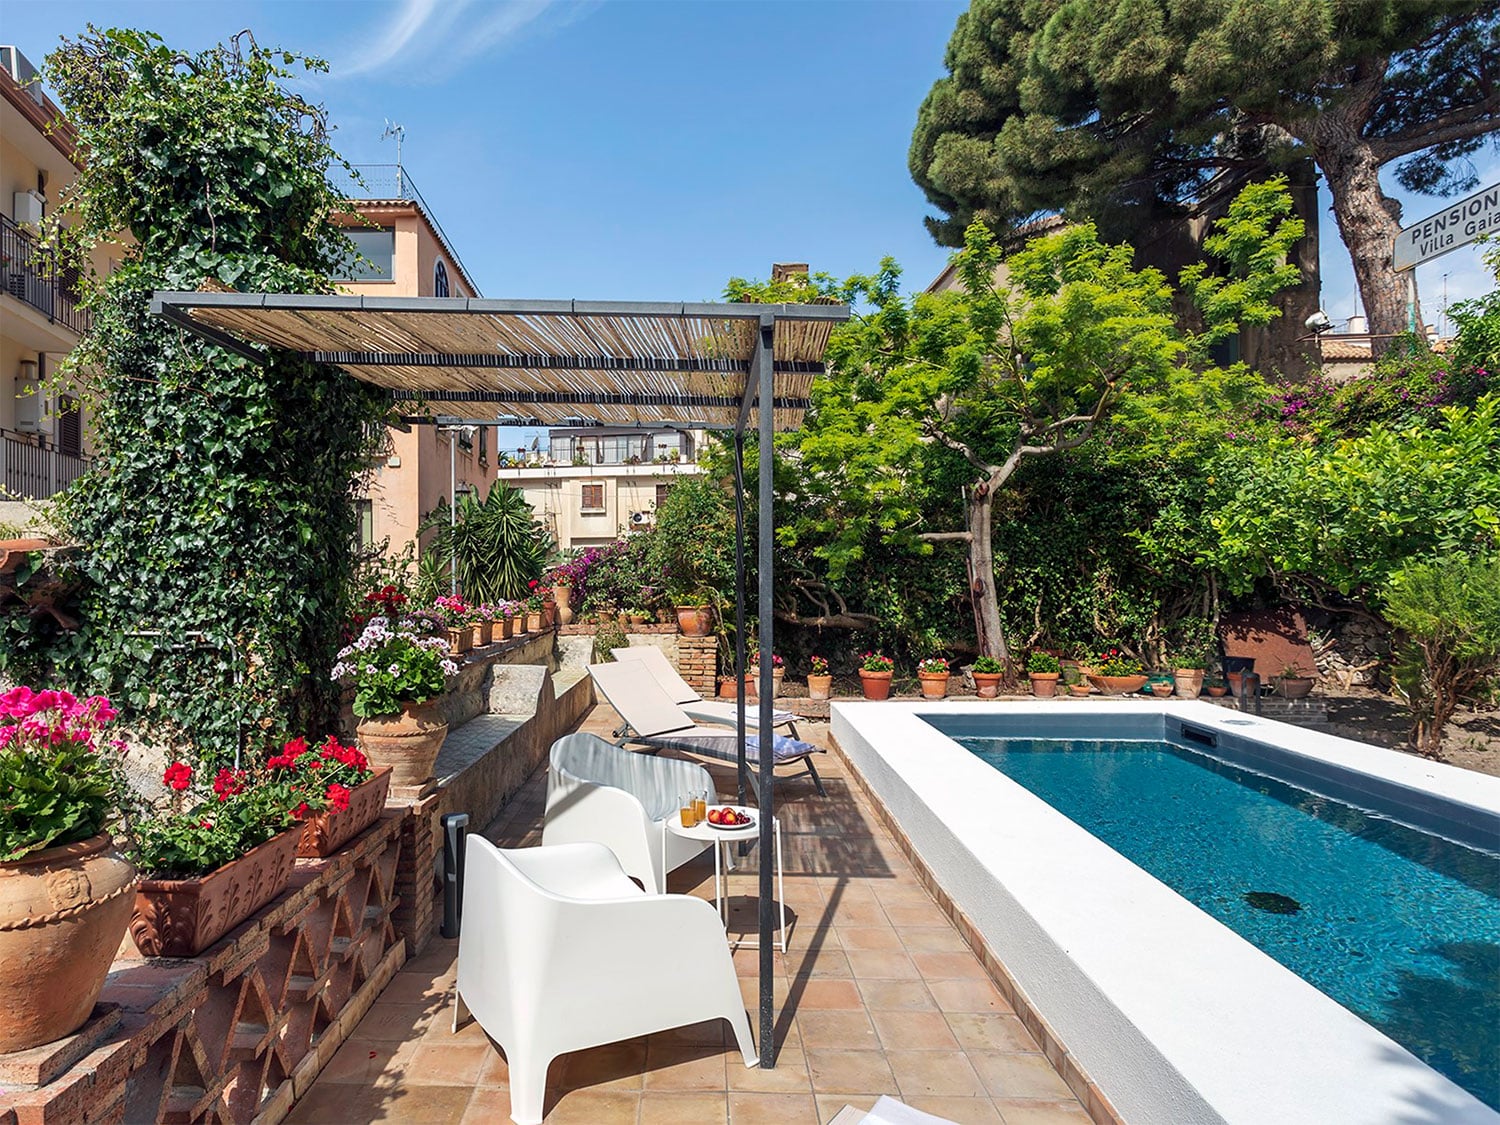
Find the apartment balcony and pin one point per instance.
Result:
(30, 273)
(33, 467)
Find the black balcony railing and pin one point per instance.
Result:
(33, 468)
(389, 181)
(30, 272)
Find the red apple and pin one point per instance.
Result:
(715, 816)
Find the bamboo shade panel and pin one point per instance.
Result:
(595, 363)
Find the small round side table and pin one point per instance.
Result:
(721, 838)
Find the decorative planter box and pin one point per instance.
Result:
(328, 831)
(183, 917)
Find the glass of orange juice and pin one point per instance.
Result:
(688, 807)
(700, 805)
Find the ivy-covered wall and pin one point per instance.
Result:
(221, 497)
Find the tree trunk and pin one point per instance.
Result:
(1368, 221)
(982, 574)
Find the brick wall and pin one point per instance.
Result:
(698, 663)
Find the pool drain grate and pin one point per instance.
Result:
(1272, 903)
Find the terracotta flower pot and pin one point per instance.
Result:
(458, 641)
(1161, 689)
(819, 687)
(63, 913)
(1294, 687)
(1044, 684)
(563, 596)
(695, 620)
(1118, 685)
(1217, 691)
(777, 676)
(507, 627)
(549, 614)
(408, 743)
(497, 630)
(726, 687)
(934, 684)
(987, 683)
(1187, 682)
(328, 831)
(479, 634)
(1079, 689)
(183, 917)
(875, 685)
(533, 621)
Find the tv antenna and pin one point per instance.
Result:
(394, 129)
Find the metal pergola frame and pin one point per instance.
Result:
(759, 370)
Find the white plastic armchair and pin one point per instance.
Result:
(599, 792)
(560, 952)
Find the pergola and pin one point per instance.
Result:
(714, 366)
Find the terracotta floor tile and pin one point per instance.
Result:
(914, 1031)
(961, 1111)
(772, 1109)
(967, 996)
(896, 996)
(611, 1066)
(1008, 1075)
(829, 1105)
(788, 1076)
(826, 963)
(881, 964)
(869, 937)
(714, 1033)
(925, 1073)
(440, 1029)
(342, 1103)
(1015, 1112)
(591, 1107)
(991, 1031)
(918, 915)
(818, 994)
(447, 1064)
(416, 988)
(750, 991)
(671, 1067)
(684, 1109)
(495, 1072)
(365, 1062)
(932, 939)
(949, 966)
(396, 1023)
(850, 1072)
(838, 1030)
(488, 1106)
(848, 913)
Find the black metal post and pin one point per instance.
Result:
(739, 601)
(765, 732)
(454, 825)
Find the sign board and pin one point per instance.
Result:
(1449, 229)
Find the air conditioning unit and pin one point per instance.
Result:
(639, 519)
(26, 207)
(33, 409)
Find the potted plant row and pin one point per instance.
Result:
(1043, 669)
(875, 673)
(987, 673)
(1115, 672)
(778, 672)
(932, 674)
(819, 681)
(396, 672)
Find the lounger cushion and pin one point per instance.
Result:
(783, 749)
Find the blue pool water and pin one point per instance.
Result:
(1400, 926)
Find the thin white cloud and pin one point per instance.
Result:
(433, 36)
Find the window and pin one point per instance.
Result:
(661, 494)
(484, 444)
(364, 511)
(373, 258)
(593, 498)
(440, 280)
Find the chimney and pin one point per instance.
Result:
(789, 271)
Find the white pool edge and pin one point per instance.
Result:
(1174, 1016)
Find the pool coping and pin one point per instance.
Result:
(1162, 1011)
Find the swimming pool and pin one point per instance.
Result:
(1170, 1012)
(1400, 926)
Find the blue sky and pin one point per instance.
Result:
(640, 149)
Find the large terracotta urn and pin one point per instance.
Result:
(695, 620)
(63, 913)
(563, 597)
(408, 743)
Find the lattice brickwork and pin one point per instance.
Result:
(240, 1032)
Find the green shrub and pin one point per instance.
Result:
(1042, 663)
(1447, 610)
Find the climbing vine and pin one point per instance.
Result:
(220, 503)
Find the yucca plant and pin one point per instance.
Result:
(495, 545)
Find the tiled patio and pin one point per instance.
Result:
(877, 995)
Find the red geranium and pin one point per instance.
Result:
(338, 797)
(179, 775)
(229, 782)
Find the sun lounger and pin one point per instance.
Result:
(653, 720)
(680, 692)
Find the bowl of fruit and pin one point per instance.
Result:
(730, 818)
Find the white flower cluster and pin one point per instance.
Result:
(376, 635)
